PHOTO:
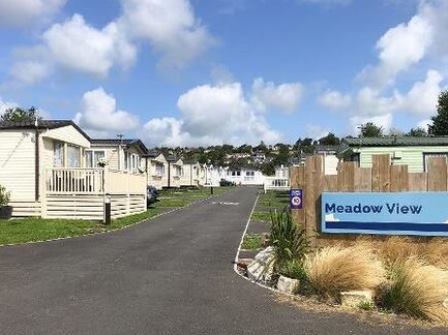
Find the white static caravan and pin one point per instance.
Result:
(157, 170)
(43, 166)
(118, 154)
(191, 174)
(245, 176)
(175, 166)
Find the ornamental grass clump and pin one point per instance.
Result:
(397, 249)
(333, 270)
(418, 290)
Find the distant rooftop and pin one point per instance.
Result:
(117, 141)
(396, 141)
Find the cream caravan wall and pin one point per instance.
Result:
(67, 134)
(158, 180)
(17, 162)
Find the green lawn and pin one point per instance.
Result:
(252, 242)
(272, 200)
(36, 229)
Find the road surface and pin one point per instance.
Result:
(172, 275)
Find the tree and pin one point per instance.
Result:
(283, 155)
(18, 114)
(417, 132)
(369, 129)
(439, 125)
(330, 139)
(268, 169)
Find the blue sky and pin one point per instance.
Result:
(201, 72)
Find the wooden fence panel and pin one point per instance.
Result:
(363, 180)
(346, 177)
(399, 178)
(437, 174)
(331, 183)
(417, 182)
(380, 173)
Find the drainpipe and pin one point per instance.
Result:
(169, 174)
(37, 163)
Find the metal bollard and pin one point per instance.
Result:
(211, 190)
(107, 209)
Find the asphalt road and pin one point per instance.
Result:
(172, 275)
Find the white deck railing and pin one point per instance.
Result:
(75, 180)
(276, 184)
(93, 181)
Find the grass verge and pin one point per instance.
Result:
(36, 229)
(272, 200)
(252, 242)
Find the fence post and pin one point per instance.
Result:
(312, 195)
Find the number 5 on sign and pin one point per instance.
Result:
(295, 198)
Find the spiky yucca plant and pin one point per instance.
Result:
(288, 239)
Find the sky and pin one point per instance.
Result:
(208, 72)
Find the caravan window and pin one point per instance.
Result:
(58, 154)
(73, 156)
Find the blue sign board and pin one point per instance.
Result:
(422, 213)
(296, 198)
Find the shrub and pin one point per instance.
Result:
(288, 239)
(4, 196)
(293, 269)
(418, 290)
(332, 270)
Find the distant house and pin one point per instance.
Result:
(50, 170)
(330, 159)
(157, 169)
(411, 151)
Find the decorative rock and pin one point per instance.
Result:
(262, 267)
(354, 298)
(288, 285)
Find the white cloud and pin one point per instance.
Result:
(422, 97)
(315, 132)
(99, 113)
(78, 46)
(27, 12)
(284, 97)
(170, 26)
(424, 124)
(212, 114)
(4, 105)
(384, 121)
(407, 44)
(30, 72)
(335, 100)
(399, 48)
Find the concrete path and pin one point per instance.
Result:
(172, 275)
